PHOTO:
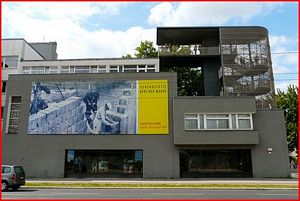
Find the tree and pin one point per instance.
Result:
(127, 56)
(189, 81)
(146, 50)
(288, 101)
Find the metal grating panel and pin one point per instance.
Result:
(246, 65)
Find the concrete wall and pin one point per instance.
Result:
(30, 53)
(268, 132)
(212, 85)
(20, 48)
(92, 62)
(44, 155)
(272, 134)
(48, 50)
(184, 105)
(12, 47)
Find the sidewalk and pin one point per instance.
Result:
(169, 181)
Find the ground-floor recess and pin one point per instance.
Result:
(193, 163)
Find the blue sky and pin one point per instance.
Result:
(104, 29)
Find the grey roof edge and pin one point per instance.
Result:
(86, 59)
(212, 27)
(270, 109)
(44, 42)
(163, 74)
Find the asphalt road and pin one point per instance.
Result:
(26, 193)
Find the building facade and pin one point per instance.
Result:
(16, 50)
(124, 118)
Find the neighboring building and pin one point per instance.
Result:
(16, 50)
(48, 50)
(84, 120)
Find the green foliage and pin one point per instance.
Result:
(189, 81)
(146, 50)
(176, 50)
(127, 56)
(288, 101)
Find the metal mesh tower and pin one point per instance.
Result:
(246, 64)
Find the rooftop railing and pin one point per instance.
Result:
(187, 50)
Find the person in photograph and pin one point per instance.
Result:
(38, 103)
(91, 100)
(103, 119)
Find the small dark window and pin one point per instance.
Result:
(3, 86)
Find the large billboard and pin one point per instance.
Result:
(99, 107)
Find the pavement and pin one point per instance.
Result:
(146, 193)
(170, 181)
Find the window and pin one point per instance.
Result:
(26, 70)
(93, 69)
(116, 69)
(101, 69)
(141, 68)
(130, 68)
(104, 163)
(82, 69)
(244, 121)
(4, 86)
(194, 121)
(218, 121)
(47, 70)
(67, 69)
(14, 115)
(53, 69)
(10, 61)
(6, 170)
(38, 70)
(98, 69)
(150, 68)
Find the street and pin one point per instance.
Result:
(31, 193)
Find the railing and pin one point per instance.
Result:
(187, 50)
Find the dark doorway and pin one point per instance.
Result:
(104, 163)
(215, 163)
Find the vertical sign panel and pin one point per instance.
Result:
(153, 107)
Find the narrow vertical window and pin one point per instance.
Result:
(14, 115)
(3, 86)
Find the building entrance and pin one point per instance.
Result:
(215, 163)
(104, 163)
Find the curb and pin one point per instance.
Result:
(202, 188)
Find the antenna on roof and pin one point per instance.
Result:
(43, 38)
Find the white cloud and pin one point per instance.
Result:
(282, 86)
(284, 61)
(62, 10)
(283, 57)
(203, 13)
(61, 23)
